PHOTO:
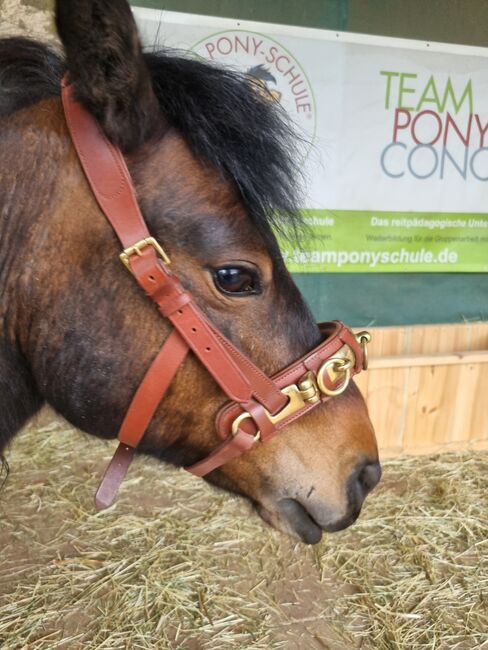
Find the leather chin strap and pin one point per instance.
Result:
(260, 405)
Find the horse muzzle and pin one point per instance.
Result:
(307, 519)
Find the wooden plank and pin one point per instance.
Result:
(439, 339)
(426, 386)
(474, 445)
(386, 400)
(465, 399)
(410, 361)
(393, 342)
(479, 415)
(429, 411)
(479, 336)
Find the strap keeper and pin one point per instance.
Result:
(173, 304)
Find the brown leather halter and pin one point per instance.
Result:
(260, 406)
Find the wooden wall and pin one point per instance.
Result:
(427, 387)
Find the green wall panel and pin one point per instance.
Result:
(330, 14)
(447, 21)
(395, 299)
(379, 298)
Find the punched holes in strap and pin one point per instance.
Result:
(158, 282)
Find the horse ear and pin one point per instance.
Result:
(107, 68)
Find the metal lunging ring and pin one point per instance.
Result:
(363, 338)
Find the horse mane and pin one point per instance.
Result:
(248, 137)
(29, 72)
(4, 471)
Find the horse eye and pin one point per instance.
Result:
(237, 280)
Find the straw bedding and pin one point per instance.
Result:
(177, 564)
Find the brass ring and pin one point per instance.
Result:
(341, 365)
(238, 420)
(363, 338)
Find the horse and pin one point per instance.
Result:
(215, 167)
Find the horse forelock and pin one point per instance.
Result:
(244, 134)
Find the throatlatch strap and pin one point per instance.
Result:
(141, 411)
(152, 389)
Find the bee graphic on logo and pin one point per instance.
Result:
(260, 77)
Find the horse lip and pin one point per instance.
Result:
(343, 523)
(301, 521)
(306, 527)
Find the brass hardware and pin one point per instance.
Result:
(238, 420)
(309, 388)
(296, 402)
(137, 248)
(307, 392)
(363, 338)
(338, 366)
(241, 418)
(343, 364)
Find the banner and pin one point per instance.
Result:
(397, 138)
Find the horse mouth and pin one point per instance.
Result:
(301, 521)
(293, 518)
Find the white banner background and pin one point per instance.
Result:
(340, 104)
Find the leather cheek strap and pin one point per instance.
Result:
(111, 184)
(105, 170)
(235, 374)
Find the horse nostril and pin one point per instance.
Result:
(362, 481)
(368, 477)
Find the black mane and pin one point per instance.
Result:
(29, 72)
(245, 135)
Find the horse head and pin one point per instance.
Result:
(213, 162)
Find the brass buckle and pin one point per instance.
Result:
(137, 248)
(363, 338)
(307, 392)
